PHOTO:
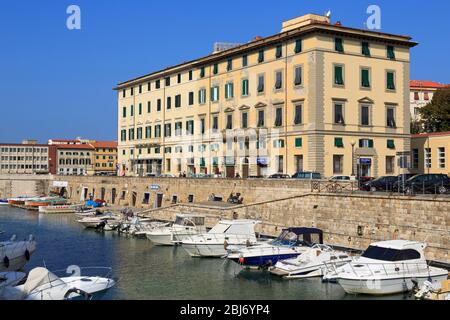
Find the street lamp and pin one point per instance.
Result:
(353, 143)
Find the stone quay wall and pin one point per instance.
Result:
(14, 185)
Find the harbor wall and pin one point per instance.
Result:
(24, 185)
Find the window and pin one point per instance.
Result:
(140, 108)
(140, 88)
(149, 86)
(179, 78)
(261, 56)
(416, 96)
(279, 143)
(338, 46)
(132, 91)
(427, 158)
(167, 81)
(229, 90)
(298, 46)
(365, 50)
(298, 115)
(215, 94)
(390, 52)
(216, 68)
(426, 96)
(124, 112)
(387, 254)
(132, 111)
(339, 142)
(202, 96)
(365, 78)
(366, 143)
(190, 75)
(279, 51)
(280, 164)
(158, 84)
(169, 103)
(339, 114)
(149, 107)
(365, 115)
(158, 131)
(202, 72)
(390, 80)
(202, 126)
(261, 114)
(131, 134)
(390, 164)
(191, 98)
(139, 133)
(298, 142)
(124, 93)
(244, 120)
(338, 164)
(339, 75)
(390, 144)
(178, 128)
(278, 117)
(190, 127)
(415, 157)
(158, 105)
(261, 83)
(123, 135)
(178, 101)
(167, 130)
(441, 155)
(298, 76)
(148, 132)
(229, 121)
(245, 87)
(230, 64)
(278, 80)
(245, 60)
(215, 125)
(390, 117)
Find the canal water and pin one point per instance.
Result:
(147, 272)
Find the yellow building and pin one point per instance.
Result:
(314, 97)
(430, 153)
(105, 157)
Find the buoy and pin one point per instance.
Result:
(241, 260)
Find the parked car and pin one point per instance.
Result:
(400, 178)
(380, 184)
(340, 178)
(363, 180)
(307, 176)
(167, 175)
(427, 183)
(150, 175)
(279, 176)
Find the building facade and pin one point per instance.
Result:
(75, 159)
(422, 93)
(105, 157)
(430, 153)
(27, 158)
(315, 97)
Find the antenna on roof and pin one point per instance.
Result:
(328, 14)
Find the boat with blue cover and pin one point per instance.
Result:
(291, 243)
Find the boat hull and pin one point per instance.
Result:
(160, 239)
(17, 260)
(262, 261)
(205, 250)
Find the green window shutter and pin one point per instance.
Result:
(279, 52)
(244, 60)
(298, 142)
(140, 108)
(338, 142)
(338, 45)
(298, 46)
(261, 56)
(370, 143)
(390, 52)
(230, 65)
(365, 49)
(132, 111)
(338, 75)
(202, 72)
(124, 112)
(216, 68)
(202, 162)
(365, 82)
(390, 81)
(245, 87)
(391, 144)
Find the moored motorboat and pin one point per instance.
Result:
(4, 202)
(100, 221)
(19, 200)
(45, 201)
(58, 209)
(291, 243)
(185, 225)
(15, 254)
(236, 233)
(311, 263)
(386, 267)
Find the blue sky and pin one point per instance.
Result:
(57, 83)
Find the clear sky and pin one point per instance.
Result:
(57, 83)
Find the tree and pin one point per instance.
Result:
(416, 127)
(436, 115)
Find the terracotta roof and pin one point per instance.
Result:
(105, 144)
(75, 146)
(433, 134)
(427, 84)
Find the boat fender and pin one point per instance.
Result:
(6, 261)
(241, 260)
(27, 255)
(225, 245)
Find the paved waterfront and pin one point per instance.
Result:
(148, 272)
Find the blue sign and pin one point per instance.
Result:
(262, 161)
(366, 161)
(155, 187)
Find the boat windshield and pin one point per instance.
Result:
(388, 254)
(287, 238)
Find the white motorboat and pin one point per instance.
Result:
(59, 209)
(42, 284)
(291, 243)
(386, 267)
(236, 233)
(311, 263)
(185, 225)
(97, 222)
(15, 254)
(87, 212)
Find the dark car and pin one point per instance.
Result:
(307, 176)
(279, 176)
(363, 180)
(380, 184)
(427, 183)
(400, 178)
